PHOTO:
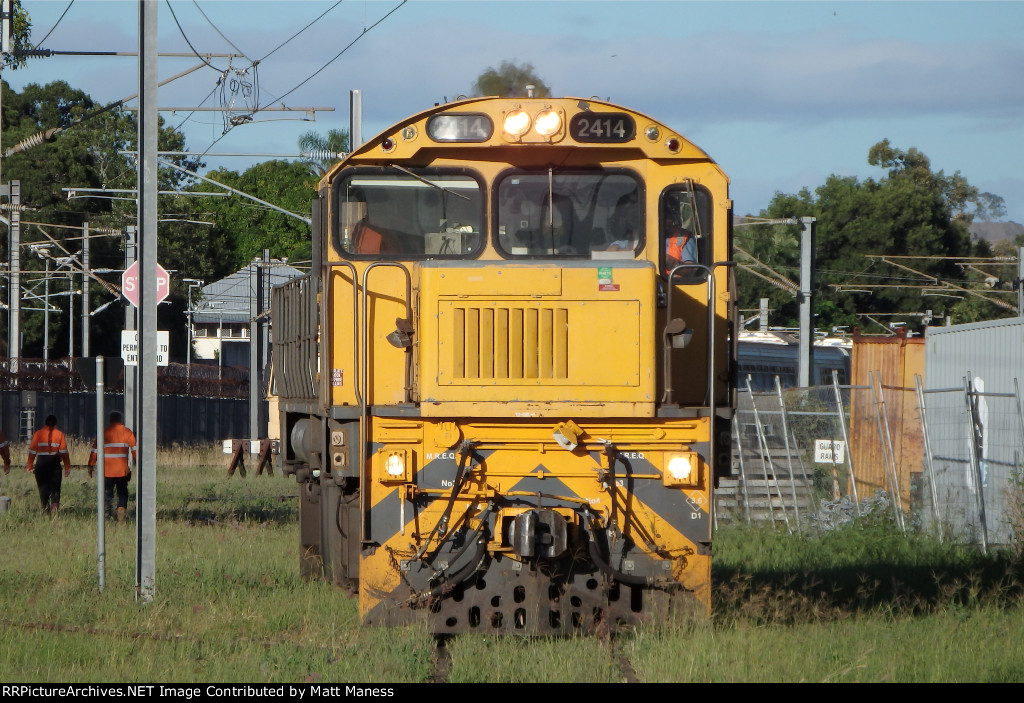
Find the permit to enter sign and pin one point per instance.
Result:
(829, 451)
(130, 347)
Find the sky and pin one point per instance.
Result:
(781, 94)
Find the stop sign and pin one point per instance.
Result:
(130, 285)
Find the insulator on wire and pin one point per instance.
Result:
(322, 155)
(32, 53)
(11, 207)
(35, 140)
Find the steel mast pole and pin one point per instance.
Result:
(806, 299)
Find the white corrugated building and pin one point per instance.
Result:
(219, 319)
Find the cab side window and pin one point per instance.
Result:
(685, 228)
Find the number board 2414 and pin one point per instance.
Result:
(602, 127)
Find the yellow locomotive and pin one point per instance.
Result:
(505, 384)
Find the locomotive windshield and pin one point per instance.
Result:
(394, 212)
(569, 214)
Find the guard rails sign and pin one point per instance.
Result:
(829, 451)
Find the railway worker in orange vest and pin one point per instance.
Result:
(118, 441)
(48, 449)
(680, 246)
(5, 452)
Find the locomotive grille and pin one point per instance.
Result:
(510, 343)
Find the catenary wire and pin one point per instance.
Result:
(339, 54)
(185, 37)
(215, 28)
(43, 40)
(299, 32)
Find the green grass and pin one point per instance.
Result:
(864, 603)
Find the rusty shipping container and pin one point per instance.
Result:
(887, 445)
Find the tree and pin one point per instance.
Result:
(21, 35)
(247, 228)
(510, 81)
(910, 212)
(86, 147)
(323, 150)
(955, 189)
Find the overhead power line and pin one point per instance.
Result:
(267, 55)
(340, 53)
(55, 25)
(215, 28)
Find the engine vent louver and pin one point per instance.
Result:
(510, 342)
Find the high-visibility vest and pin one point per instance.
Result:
(676, 243)
(118, 441)
(48, 441)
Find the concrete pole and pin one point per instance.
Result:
(14, 280)
(254, 350)
(355, 118)
(262, 295)
(85, 290)
(147, 431)
(1020, 281)
(101, 543)
(131, 419)
(806, 299)
(46, 314)
(71, 315)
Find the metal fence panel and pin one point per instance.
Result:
(977, 449)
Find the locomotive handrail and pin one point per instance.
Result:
(363, 372)
(326, 321)
(710, 392)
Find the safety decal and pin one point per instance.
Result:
(604, 279)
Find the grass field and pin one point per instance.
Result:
(861, 605)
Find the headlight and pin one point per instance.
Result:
(393, 466)
(682, 469)
(548, 123)
(517, 123)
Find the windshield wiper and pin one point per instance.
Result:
(429, 183)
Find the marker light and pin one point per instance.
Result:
(682, 469)
(548, 123)
(673, 144)
(395, 465)
(517, 123)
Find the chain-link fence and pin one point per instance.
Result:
(949, 459)
(975, 453)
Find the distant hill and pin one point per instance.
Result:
(996, 231)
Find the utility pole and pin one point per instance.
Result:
(46, 314)
(1020, 281)
(257, 271)
(13, 189)
(145, 581)
(355, 119)
(806, 299)
(131, 418)
(85, 290)
(193, 284)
